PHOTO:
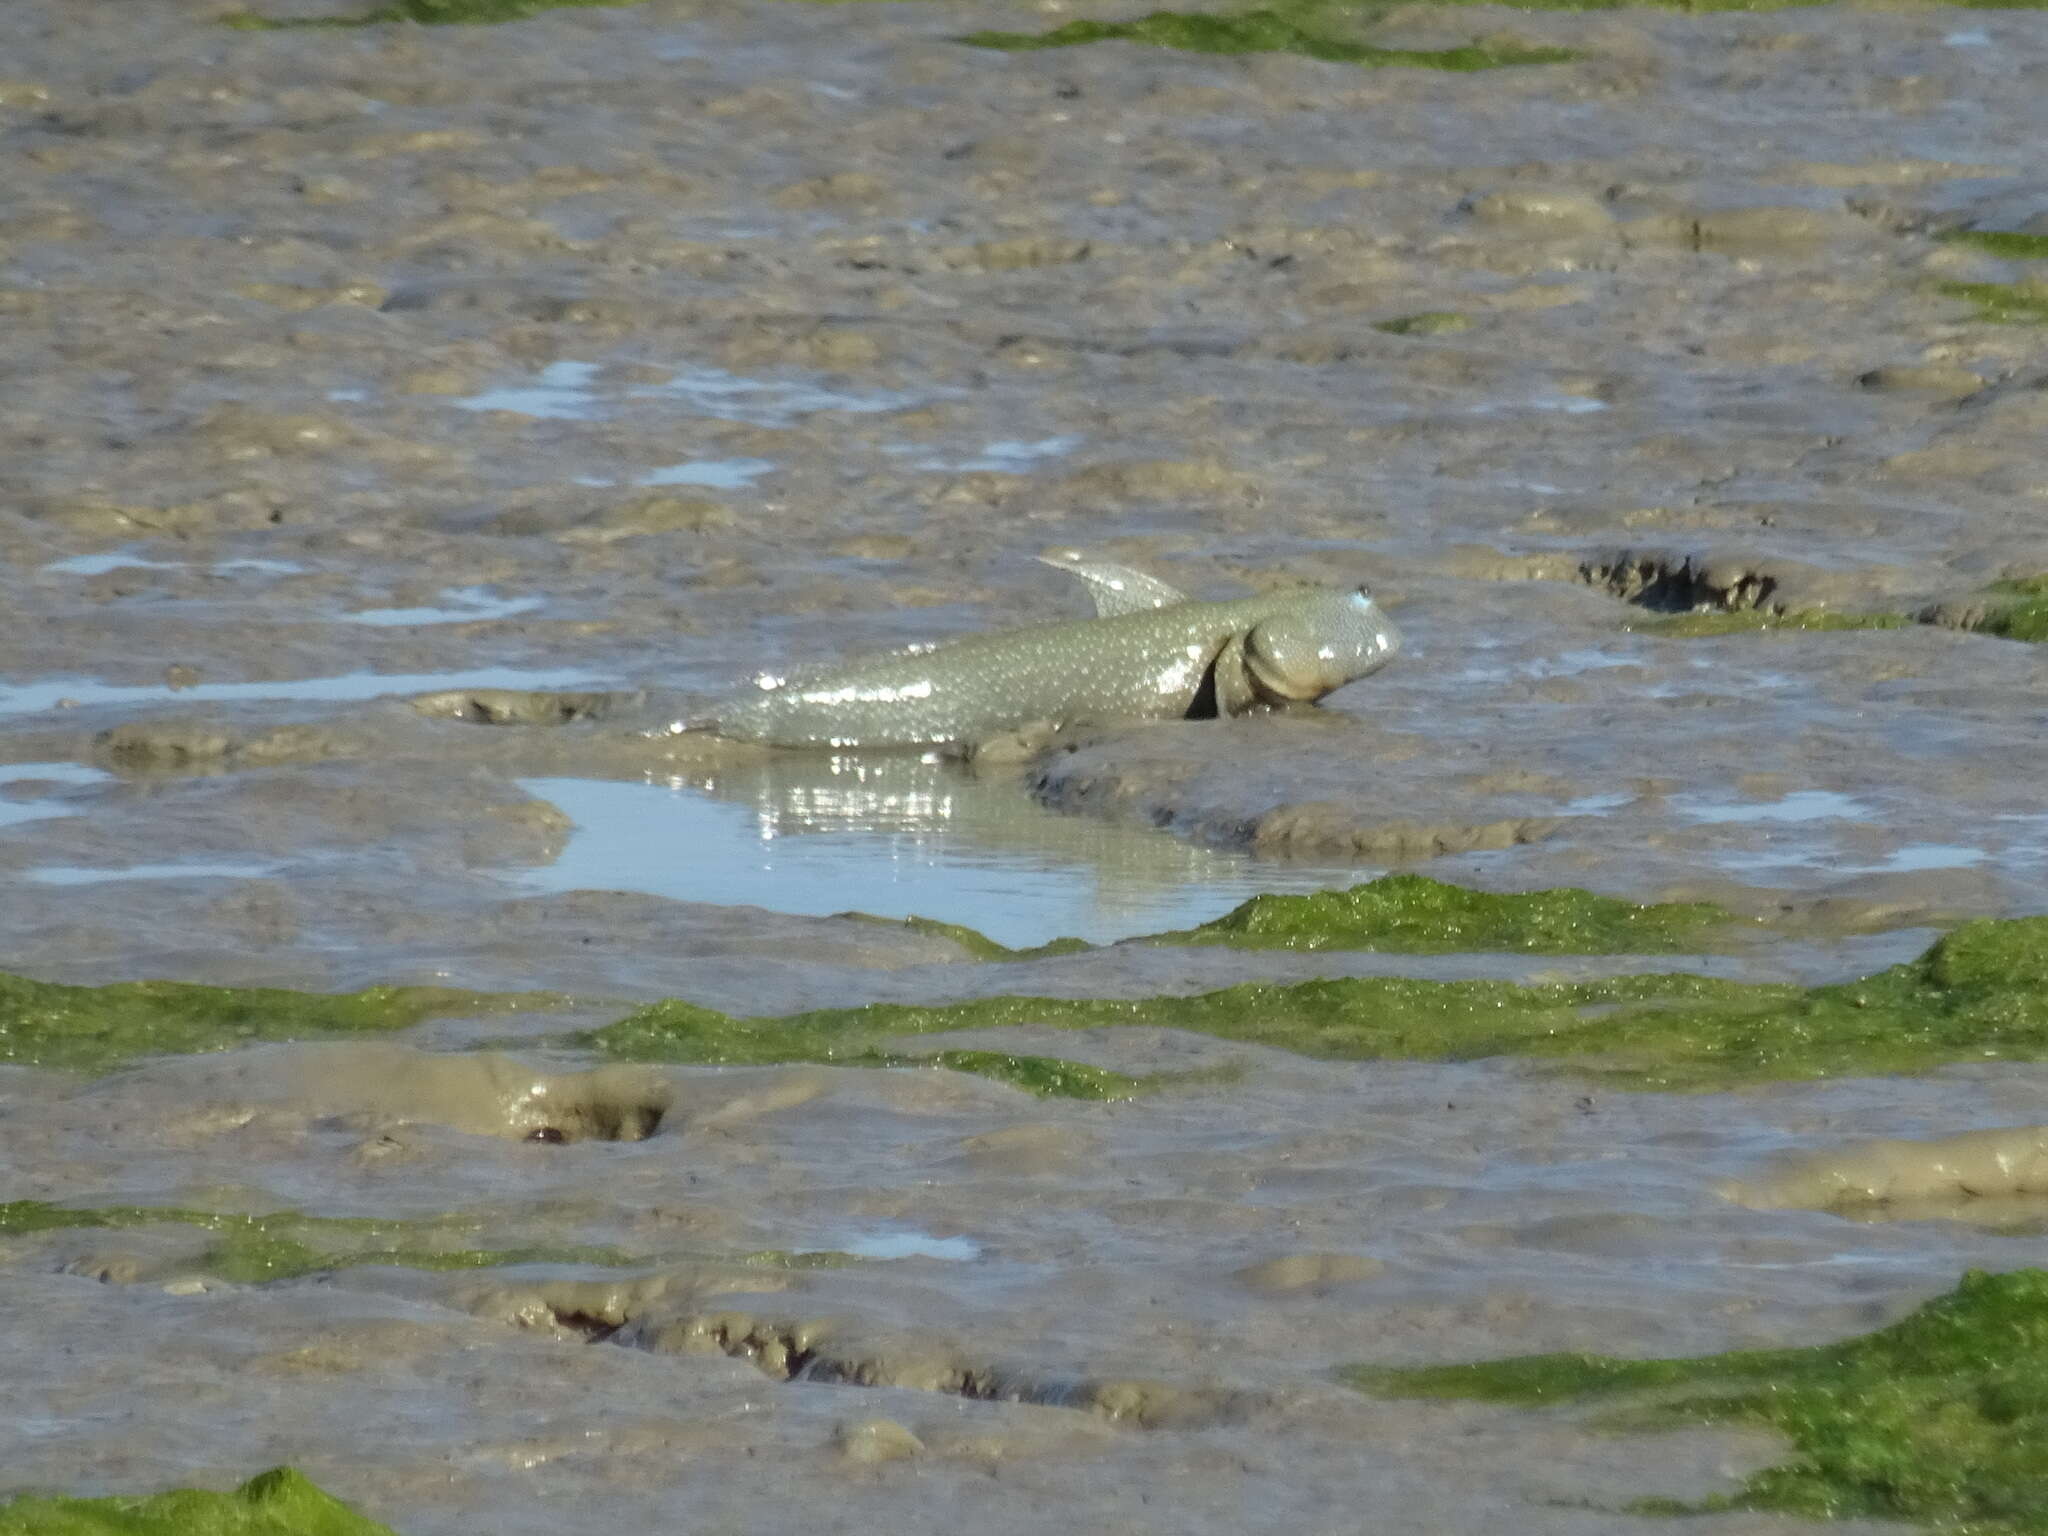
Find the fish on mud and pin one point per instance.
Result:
(1151, 653)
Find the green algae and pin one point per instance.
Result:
(1046, 1076)
(280, 1502)
(1978, 993)
(1743, 621)
(2019, 610)
(1414, 915)
(2010, 610)
(423, 13)
(1431, 322)
(2006, 243)
(2022, 303)
(1264, 31)
(92, 1029)
(1941, 1418)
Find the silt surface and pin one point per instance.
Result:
(369, 386)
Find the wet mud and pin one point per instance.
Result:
(410, 418)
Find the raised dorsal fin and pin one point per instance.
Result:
(1117, 589)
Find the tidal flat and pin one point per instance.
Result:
(435, 1098)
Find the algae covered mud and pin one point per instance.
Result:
(416, 1075)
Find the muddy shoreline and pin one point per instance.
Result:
(564, 372)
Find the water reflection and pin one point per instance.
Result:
(898, 837)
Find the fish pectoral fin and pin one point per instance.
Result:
(1117, 589)
(1235, 694)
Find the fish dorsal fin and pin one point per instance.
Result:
(1117, 589)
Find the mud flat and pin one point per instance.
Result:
(418, 1076)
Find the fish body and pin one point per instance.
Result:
(1151, 654)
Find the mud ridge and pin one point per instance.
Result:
(840, 1353)
(1667, 582)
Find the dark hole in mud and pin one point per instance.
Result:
(594, 1329)
(1679, 583)
(601, 1122)
(514, 706)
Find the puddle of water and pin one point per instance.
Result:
(466, 605)
(77, 874)
(1570, 405)
(1564, 664)
(1007, 456)
(1594, 805)
(1969, 39)
(29, 698)
(764, 402)
(1800, 805)
(15, 812)
(1911, 858)
(564, 391)
(56, 773)
(561, 392)
(348, 396)
(1916, 856)
(99, 565)
(898, 838)
(911, 1245)
(726, 474)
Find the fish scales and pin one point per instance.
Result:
(1147, 664)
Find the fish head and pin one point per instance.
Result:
(1317, 646)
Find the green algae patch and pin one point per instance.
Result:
(1263, 31)
(2011, 245)
(1414, 915)
(1431, 322)
(1745, 621)
(1046, 1076)
(280, 1502)
(423, 13)
(1978, 993)
(92, 1029)
(2010, 610)
(2022, 303)
(2019, 610)
(1941, 1418)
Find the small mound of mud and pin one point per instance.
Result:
(516, 706)
(479, 1093)
(145, 745)
(1978, 1165)
(1323, 828)
(1674, 583)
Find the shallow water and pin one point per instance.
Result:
(898, 838)
(656, 347)
(463, 605)
(84, 693)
